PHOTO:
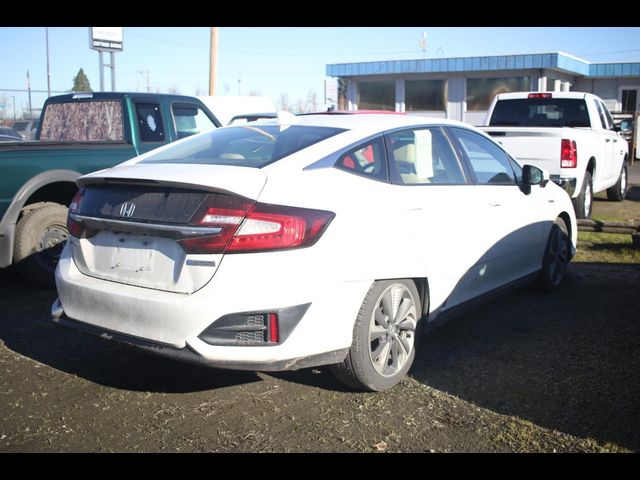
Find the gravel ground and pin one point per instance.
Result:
(529, 372)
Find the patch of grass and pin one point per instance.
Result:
(606, 248)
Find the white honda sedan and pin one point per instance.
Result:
(329, 239)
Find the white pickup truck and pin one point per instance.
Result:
(571, 135)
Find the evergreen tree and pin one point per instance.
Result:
(81, 82)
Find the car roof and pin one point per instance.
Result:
(371, 122)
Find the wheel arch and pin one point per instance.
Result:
(56, 186)
(591, 166)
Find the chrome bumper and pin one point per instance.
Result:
(566, 183)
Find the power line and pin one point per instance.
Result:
(608, 53)
(284, 54)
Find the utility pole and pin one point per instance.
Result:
(48, 69)
(212, 60)
(145, 74)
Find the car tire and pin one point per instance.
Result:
(557, 255)
(583, 203)
(39, 239)
(618, 192)
(384, 337)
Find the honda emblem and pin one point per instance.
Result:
(127, 209)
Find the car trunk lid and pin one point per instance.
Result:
(139, 230)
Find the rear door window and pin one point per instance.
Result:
(150, 123)
(422, 156)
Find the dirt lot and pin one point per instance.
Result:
(528, 372)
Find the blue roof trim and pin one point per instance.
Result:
(557, 60)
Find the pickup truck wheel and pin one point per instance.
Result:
(584, 201)
(384, 337)
(618, 192)
(40, 237)
(556, 257)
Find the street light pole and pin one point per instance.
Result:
(14, 107)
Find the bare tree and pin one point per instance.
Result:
(198, 91)
(300, 106)
(174, 90)
(283, 102)
(254, 93)
(312, 101)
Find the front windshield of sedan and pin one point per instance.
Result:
(245, 146)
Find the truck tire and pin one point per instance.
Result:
(584, 201)
(384, 337)
(618, 192)
(39, 239)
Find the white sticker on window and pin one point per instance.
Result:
(151, 122)
(424, 160)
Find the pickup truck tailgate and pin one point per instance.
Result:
(539, 147)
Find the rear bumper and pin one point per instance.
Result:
(177, 324)
(189, 355)
(568, 184)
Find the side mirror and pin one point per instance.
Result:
(533, 176)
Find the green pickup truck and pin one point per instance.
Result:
(78, 134)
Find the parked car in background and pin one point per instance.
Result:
(26, 128)
(79, 133)
(330, 239)
(230, 109)
(570, 134)
(8, 134)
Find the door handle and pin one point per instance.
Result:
(615, 140)
(495, 203)
(607, 140)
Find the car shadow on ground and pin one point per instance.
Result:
(633, 193)
(567, 361)
(26, 328)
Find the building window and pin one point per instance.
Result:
(424, 95)
(629, 99)
(377, 95)
(480, 91)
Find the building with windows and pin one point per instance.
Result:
(463, 88)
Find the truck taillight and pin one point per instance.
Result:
(568, 154)
(246, 227)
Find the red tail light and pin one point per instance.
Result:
(256, 228)
(274, 332)
(540, 95)
(74, 227)
(568, 154)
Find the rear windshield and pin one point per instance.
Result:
(94, 121)
(541, 112)
(244, 146)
